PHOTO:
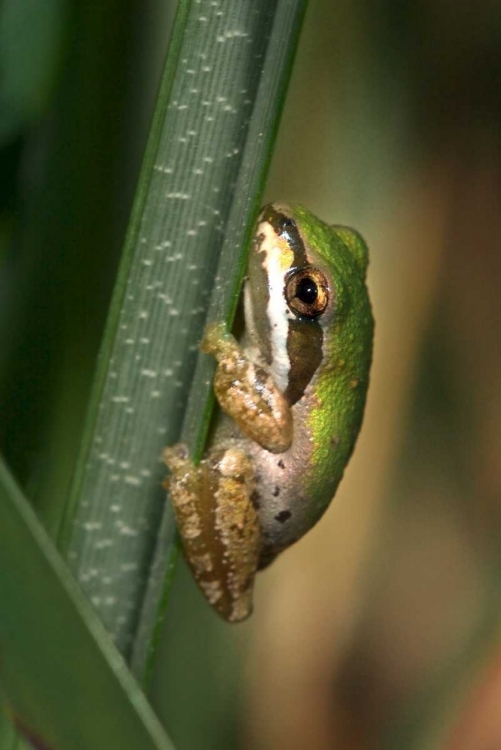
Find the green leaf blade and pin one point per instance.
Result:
(185, 211)
(59, 673)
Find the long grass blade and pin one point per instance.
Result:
(63, 680)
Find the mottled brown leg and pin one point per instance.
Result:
(218, 525)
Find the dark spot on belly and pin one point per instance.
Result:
(256, 499)
(335, 441)
(276, 492)
(281, 464)
(283, 516)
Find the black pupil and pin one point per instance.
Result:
(307, 291)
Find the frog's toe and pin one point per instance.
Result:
(175, 456)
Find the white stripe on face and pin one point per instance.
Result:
(278, 259)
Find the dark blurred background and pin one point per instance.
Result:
(381, 628)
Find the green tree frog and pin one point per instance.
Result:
(292, 392)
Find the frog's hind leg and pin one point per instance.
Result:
(218, 525)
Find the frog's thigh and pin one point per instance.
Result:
(218, 525)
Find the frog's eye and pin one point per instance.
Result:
(307, 292)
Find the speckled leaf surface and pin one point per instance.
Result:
(207, 155)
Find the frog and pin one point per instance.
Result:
(291, 388)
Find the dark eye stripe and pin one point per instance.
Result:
(305, 337)
(304, 347)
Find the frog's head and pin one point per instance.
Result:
(299, 277)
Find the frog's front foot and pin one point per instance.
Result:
(217, 340)
(247, 392)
